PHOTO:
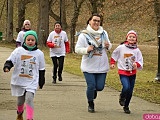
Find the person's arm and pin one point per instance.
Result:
(139, 61)
(41, 78)
(66, 42)
(18, 44)
(19, 38)
(67, 47)
(114, 57)
(49, 42)
(41, 70)
(11, 60)
(81, 45)
(112, 63)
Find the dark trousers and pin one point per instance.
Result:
(57, 65)
(128, 86)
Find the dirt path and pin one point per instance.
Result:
(67, 101)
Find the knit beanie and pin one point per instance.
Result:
(132, 32)
(31, 32)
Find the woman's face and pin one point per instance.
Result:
(57, 27)
(27, 26)
(95, 22)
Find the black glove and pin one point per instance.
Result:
(7, 65)
(41, 78)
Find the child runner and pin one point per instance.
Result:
(29, 73)
(129, 59)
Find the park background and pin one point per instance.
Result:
(118, 18)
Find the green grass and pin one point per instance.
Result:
(145, 86)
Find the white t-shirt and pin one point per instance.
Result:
(20, 37)
(25, 75)
(59, 40)
(125, 57)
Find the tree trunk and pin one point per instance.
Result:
(157, 12)
(72, 39)
(97, 7)
(9, 35)
(43, 29)
(63, 14)
(101, 10)
(21, 15)
(74, 20)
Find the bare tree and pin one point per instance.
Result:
(9, 34)
(157, 12)
(2, 9)
(94, 5)
(62, 12)
(51, 13)
(43, 25)
(21, 13)
(74, 20)
(98, 7)
(101, 9)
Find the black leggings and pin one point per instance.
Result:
(57, 64)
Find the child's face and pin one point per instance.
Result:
(30, 40)
(132, 39)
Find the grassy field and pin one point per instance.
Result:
(145, 86)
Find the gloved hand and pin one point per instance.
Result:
(50, 44)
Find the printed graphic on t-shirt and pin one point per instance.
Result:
(98, 51)
(58, 40)
(129, 60)
(27, 66)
